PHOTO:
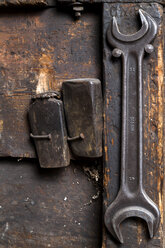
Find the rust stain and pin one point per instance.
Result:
(78, 29)
(155, 123)
(159, 190)
(160, 103)
(104, 238)
(139, 232)
(46, 60)
(106, 152)
(106, 178)
(112, 141)
(1, 128)
(38, 23)
(160, 73)
(151, 173)
(159, 117)
(1, 125)
(72, 30)
(88, 63)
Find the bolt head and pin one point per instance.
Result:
(116, 52)
(149, 48)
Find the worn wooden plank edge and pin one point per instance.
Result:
(52, 3)
(113, 1)
(22, 3)
(164, 118)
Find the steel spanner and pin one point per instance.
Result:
(132, 200)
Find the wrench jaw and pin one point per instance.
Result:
(152, 29)
(154, 210)
(133, 211)
(131, 205)
(121, 41)
(134, 37)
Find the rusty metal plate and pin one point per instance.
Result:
(49, 132)
(83, 110)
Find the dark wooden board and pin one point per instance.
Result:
(113, 1)
(164, 119)
(7, 3)
(38, 50)
(42, 208)
(134, 230)
(53, 3)
(27, 3)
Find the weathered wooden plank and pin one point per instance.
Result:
(42, 208)
(30, 3)
(6, 3)
(113, 1)
(38, 51)
(52, 3)
(134, 231)
(164, 120)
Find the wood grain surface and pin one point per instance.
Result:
(6, 3)
(40, 49)
(49, 208)
(113, 1)
(42, 208)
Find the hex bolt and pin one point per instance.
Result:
(77, 8)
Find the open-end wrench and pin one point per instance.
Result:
(132, 200)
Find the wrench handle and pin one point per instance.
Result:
(132, 122)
